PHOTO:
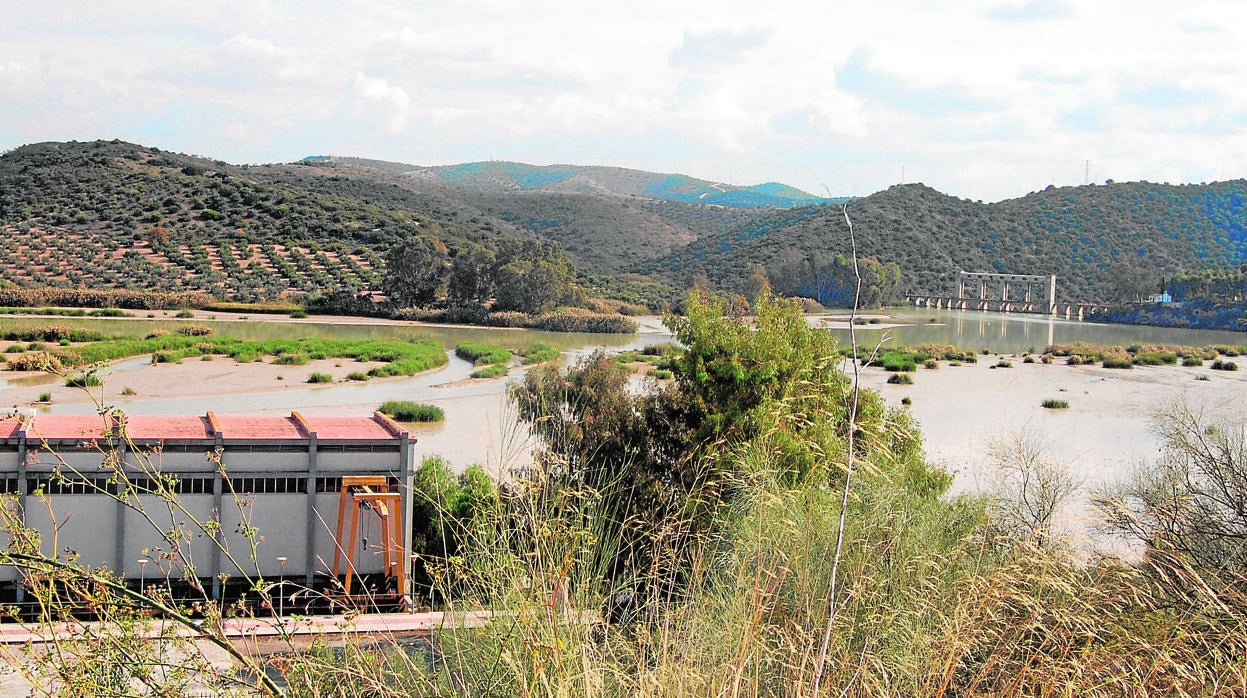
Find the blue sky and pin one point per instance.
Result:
(984, 99)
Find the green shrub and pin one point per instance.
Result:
(1116, 362)
(357, 376)
(539, 353)
(294, 359)
(1192, 361)
(128, 391)
(1220, 365)
(45, 397)
(165, 357)
(1053, 404)
(184, 313)
(245, 356)
(83, 380)
(901, 379)
(1155, 358)
(299, 314)
(38, 361)
(907, 401)
(195, 331)
(579, 320)
(897, 361)
(408, 411)
(493, 371)
(318, 377)
(267, 308)
(930, 363)
(1003, 363)
(661, 373)
(482, 354)
(662, 349)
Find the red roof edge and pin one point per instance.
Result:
(304, 427)
(389, 425)
(214, 427)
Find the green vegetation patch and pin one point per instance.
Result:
(1054, 404)
(400, 358)
(53, 333)
(270, 308)
(291, 359)
(539, 353)
(83, 380)
(494, 371)
(318, 377)
(482, 354)
(1155, 358)
(37, 361)
(408, 411)
(900, 361)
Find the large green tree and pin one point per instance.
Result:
(664, 463)
(416, 271)
(531, 276)
(471, 275)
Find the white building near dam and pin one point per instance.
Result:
(252, 497)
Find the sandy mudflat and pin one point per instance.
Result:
(1106, 430)
(1105, 434)
(193, 377)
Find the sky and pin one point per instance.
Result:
(981, 99)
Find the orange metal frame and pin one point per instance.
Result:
(373, 491)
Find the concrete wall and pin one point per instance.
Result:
(143, 537)
(291, 522)
(81, 524)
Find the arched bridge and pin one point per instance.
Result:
(1009, 293)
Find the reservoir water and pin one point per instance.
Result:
(1106, 431)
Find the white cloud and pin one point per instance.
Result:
(984, 98)
(379, 99)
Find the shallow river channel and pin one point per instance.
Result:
(1105, 432)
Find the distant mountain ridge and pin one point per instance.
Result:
(586, 179)
(1090, 237)
(110, 214)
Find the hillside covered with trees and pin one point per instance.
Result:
(1100, 241)
(109, 214)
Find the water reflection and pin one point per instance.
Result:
(1012, 333)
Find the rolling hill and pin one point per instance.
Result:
(1088, 236)
(596, 181)
(110, 214)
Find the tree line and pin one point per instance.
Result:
(527, 276)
